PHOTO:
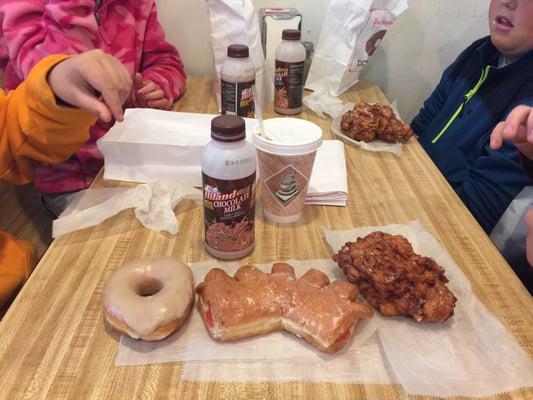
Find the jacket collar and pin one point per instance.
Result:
(489, 54)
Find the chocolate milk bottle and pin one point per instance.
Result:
(237, 77)
(228, 176)
(289, 74)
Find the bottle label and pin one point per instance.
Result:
(238, 98)
(229, 212)
(289, 82)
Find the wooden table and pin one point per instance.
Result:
(53, 341)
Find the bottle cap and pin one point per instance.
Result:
(291, 34)
(228, 128)
(238, 51)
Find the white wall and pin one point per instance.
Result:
(424, 40)
(407, 66)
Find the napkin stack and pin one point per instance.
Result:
(329, 183)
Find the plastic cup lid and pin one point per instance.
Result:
(288, 136)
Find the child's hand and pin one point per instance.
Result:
(94, 81)
(518, 127)
(149, 94)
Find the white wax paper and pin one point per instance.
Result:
(471, 354)
(376, 145)
(276, 356)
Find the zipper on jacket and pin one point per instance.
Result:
(466, 99)
(98, 4)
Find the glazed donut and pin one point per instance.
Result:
(149, 298)
(253, 303)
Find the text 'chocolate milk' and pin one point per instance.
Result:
(228, 180)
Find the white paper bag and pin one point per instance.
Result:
(153, 145)
(236, 22)
(351, 32)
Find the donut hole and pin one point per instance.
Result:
(149, 287)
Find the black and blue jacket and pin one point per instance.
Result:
(455, 123)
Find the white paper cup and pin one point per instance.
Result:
(285, 158)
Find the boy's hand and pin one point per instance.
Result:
(149, 94)
(518, 127)
(94, 81)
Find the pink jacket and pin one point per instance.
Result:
(127, 29)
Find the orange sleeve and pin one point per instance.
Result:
(35, 129)
(17, 260)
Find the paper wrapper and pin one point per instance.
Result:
(193, 343)
(360, 365)
(471, 354)
(375, 145)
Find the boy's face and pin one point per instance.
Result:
(511, 26)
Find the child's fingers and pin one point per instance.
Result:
(114, 88)
(114, 102)
(147, 88)
(496, 137)
(118, 89)
(162, 104)
(120, 77)
(155, 95)
(78, 80)
(139, 83)
(517, 117)
(94, 106)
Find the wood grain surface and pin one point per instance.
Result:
(54, 343)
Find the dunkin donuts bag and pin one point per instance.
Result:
(351, 32)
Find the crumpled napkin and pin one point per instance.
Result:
(154, 205)
(323, 102)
